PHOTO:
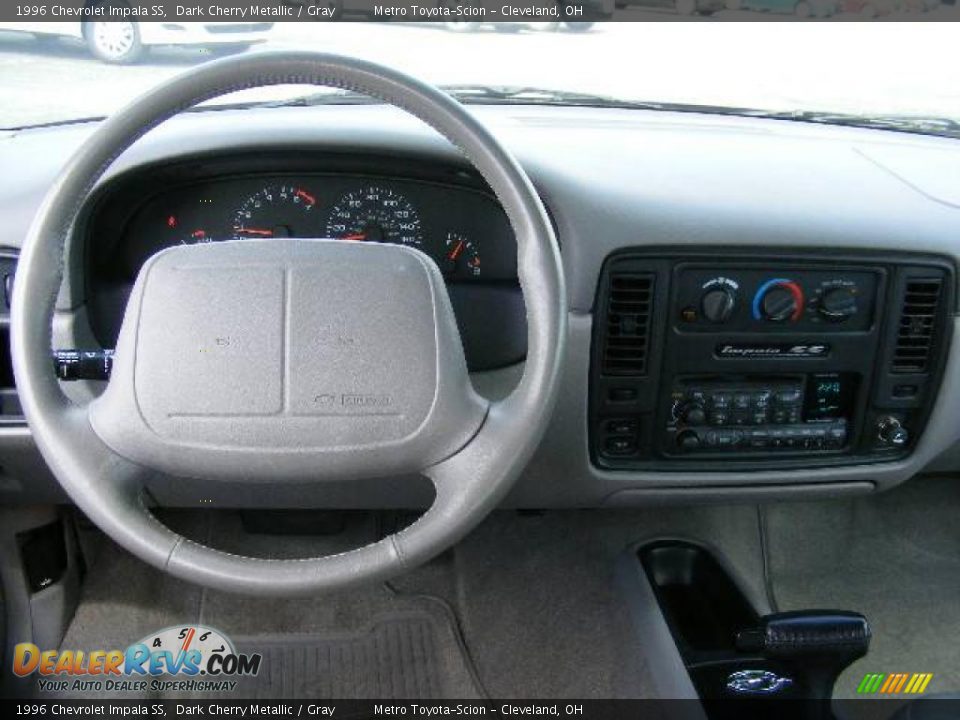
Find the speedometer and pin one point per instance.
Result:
(375, 214)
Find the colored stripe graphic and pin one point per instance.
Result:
(894, 683)
(870, 683)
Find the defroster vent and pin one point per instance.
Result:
(628, 311)
(916, 335)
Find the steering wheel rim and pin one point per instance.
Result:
(109, 488)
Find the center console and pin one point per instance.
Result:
(765, 359)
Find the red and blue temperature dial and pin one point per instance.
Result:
(778, 300)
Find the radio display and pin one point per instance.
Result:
(830, 396)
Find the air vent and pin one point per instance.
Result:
(627, 341)
(918, 325)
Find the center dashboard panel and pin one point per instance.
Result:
(442, 211)
(764, 360)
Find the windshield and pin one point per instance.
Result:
(52, 72)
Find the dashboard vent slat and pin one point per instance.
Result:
(916, 334)
(628, 311)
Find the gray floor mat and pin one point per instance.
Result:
(407, 656)
(367, 643)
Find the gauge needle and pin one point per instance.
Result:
(455, 253)
(311, 200)
(256, 231)
(357, 236)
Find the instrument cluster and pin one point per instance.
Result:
(464, 231)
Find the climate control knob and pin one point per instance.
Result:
(838, 304)
(718, 303)
(778, 301)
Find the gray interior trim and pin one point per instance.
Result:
(668, 674)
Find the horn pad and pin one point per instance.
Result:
(288, 359)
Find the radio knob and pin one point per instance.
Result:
(718, 304)
(838, 304)
(781, 300)
(891, 432)
(693, 414)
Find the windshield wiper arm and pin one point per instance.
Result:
(918, 124)
(525, 95)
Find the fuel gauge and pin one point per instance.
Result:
(461, 256)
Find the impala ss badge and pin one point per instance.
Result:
(772, 350)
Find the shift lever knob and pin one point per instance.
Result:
(807, 634)
(816, 645)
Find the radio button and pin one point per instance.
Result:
(725, 439)
(762, 399)
(788, 397)
(719, 418)
(721, 400)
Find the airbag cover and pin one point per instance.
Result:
(288, 358)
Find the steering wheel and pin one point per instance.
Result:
(287, 361)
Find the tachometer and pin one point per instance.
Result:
(276, 211)
(375, 214)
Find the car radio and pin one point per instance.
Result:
(764, 359)
(797, 413)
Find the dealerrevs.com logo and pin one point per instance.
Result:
(190, 658)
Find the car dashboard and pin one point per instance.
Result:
(745, 296)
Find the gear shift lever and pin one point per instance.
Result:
(816, 646)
